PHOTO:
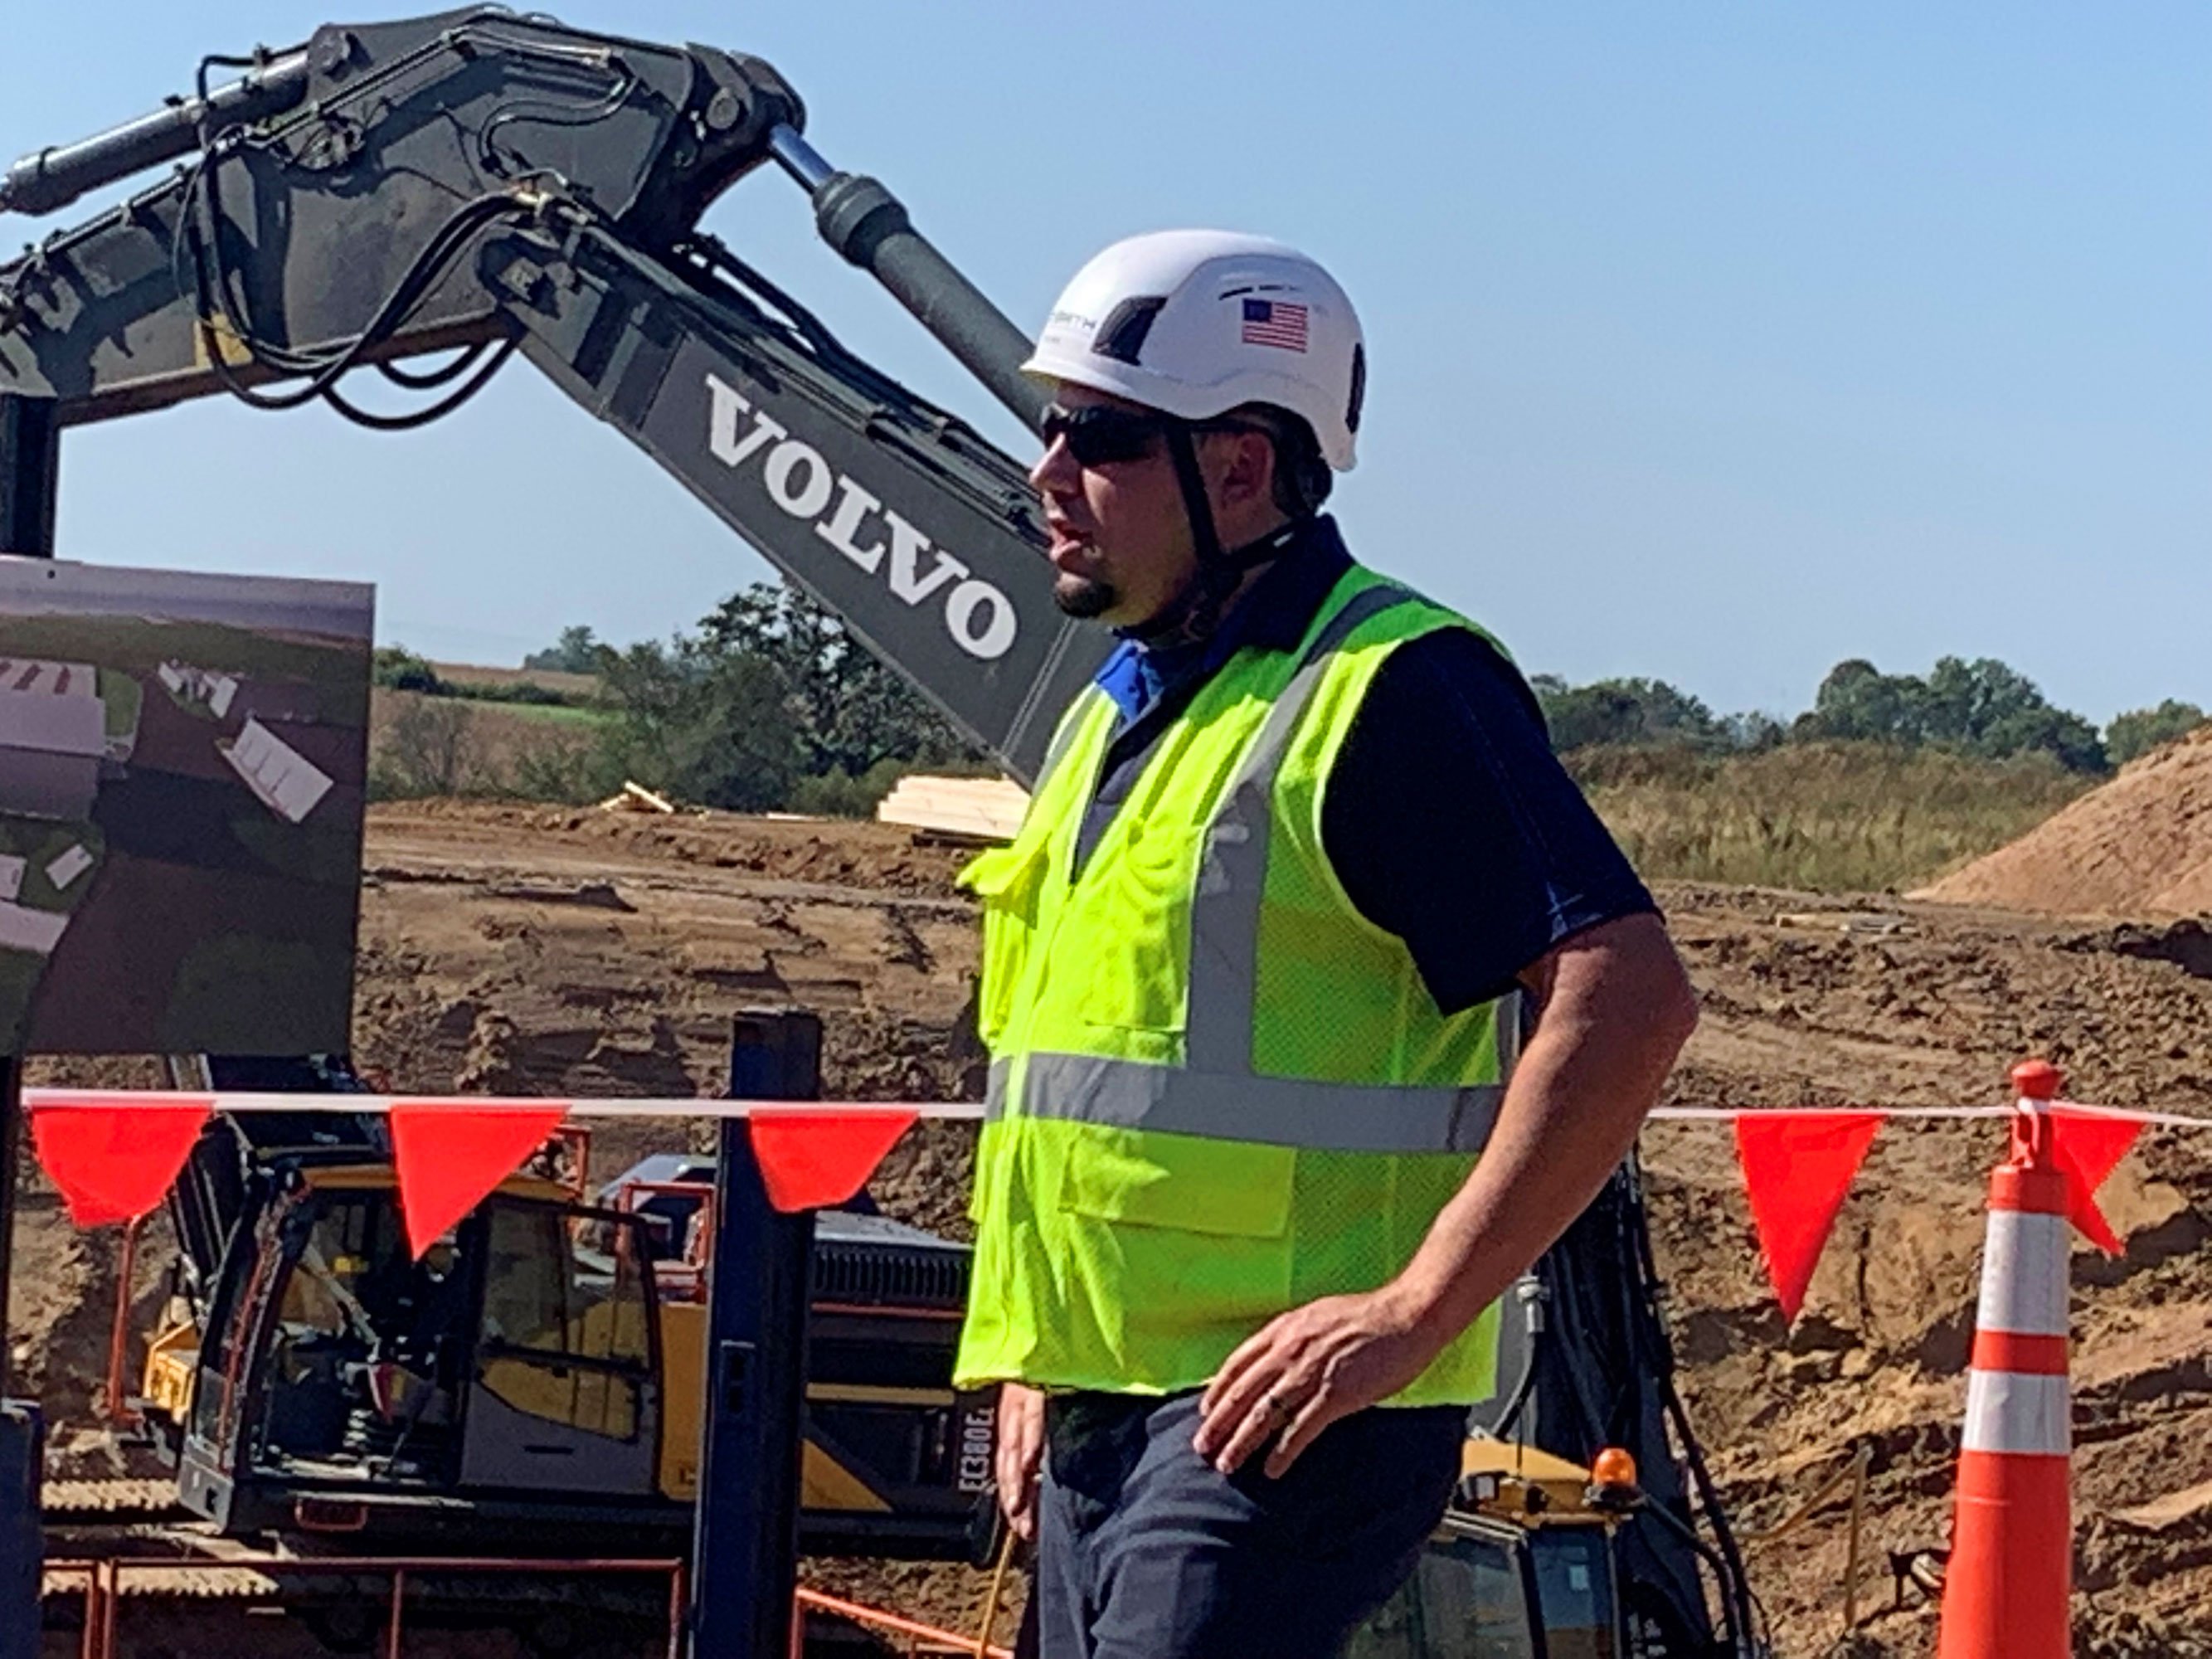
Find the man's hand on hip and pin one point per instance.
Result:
(1306, 1369)
(1615, 1009)
(1019, 1456)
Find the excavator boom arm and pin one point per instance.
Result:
(478, 181)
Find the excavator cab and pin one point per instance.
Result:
(348, 1386)
(1487, 1588)
(1524, 1567)
(538, 1374)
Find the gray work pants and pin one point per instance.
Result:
(1145, 1551)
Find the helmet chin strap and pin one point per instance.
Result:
(1196, 611)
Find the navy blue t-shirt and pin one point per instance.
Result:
(1447, 818)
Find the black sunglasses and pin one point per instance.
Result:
(1100, 434)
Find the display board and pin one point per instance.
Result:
(183, 760)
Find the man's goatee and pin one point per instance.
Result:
(1086, 599)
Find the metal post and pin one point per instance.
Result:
(746, 1543)
(30, 453)
(115, 1396)
(30, 450)
(394, 1636)
(22, 1549)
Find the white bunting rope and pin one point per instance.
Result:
(364, 1105)
(349, 1105)
(2082, 1109)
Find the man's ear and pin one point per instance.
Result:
(1247, 468)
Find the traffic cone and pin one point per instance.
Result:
(2012, 1538)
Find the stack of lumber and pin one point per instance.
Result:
(636, 798)
(976, 809)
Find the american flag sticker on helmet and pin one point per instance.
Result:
(1275, 323)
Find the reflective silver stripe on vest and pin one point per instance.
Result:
(1070, 727)
(1332, 1117)
(1232, 872)
(1217, 1094)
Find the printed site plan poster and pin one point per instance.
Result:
(182, 761)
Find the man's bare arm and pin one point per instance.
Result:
(1616, 1009)
(1615, 1013)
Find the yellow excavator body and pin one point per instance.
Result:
(574, 1359)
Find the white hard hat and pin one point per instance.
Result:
(1194, 323)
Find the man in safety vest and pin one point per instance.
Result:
(1318, 1001)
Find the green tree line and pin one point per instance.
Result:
(770, 702)
(1982, 709)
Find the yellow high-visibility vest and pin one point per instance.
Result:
(1217, 1091)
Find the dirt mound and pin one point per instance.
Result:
(564, 953)
(2140, 846)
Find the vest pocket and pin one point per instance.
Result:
(1137, 912)
(1009, 880)
(1180, 1183)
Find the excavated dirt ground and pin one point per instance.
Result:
(530, 950)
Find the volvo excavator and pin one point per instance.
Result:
(539, 1372)
(425, 200)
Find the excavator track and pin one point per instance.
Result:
(133, 1579)
(182, 1583)
(109, 1503)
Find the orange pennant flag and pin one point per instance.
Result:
(1797, 1168)
(811, 1159)
(115, 1163)
(450, 1158)
(2089, 1148)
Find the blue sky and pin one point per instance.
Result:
(1714, 341)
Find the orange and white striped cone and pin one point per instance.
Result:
(2012, 1539)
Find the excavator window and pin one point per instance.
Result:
(566, 1331)
(323, 1333)
(1471, 1596)
(1576, 1591)
(357, 1372)
(1486, 1589)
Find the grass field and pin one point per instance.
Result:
(122, 701)
(551, 713)
(582, 687)
(1825, 818)
(39, 842)
(425, 745)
